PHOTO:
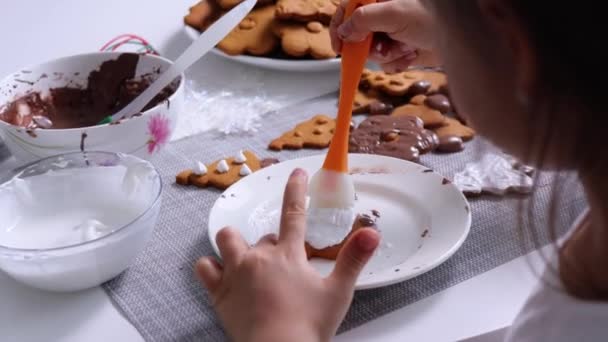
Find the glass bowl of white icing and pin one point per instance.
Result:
(77, 220)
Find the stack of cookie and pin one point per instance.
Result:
(286, 29)
(410, 114)
(416, 92)
(302, 26)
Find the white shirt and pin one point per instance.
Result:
(550, 314)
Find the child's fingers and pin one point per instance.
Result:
(293, 216)
(353, 257)
(378, 17)
(232, 246)
(398, 65)
(209, 272)
(385, 50)
(268, 240)
(336, 20)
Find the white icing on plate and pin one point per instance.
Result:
(422, 221)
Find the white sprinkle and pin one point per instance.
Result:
(245, 170)
(222, 166)
(240, 158)
(199, 169)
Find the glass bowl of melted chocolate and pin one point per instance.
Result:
(56, 107)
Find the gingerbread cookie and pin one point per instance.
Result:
(253, 35)
(400, 84)
(307, 10)
(371, 102)
(314, 133)
(453, 127)
(438, 102)
(417, 107)
(450, 144)
(266, 162)
(203, 14)
(406, 83)
(443, 104)
(309, 39)
(394, 136)
(229, 4)
(331, 253)
(438, 80)
(222, 173)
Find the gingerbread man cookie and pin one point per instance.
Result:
(450, 144)
(401, 137)
(406, 83)
(372, 102)
(222, 173)
(314, 133)
(417, 107)
(453, 127)
(438, 102)
(438, 80)
(331, 253)
(203, 14)
(253, 35)
(400, 84)
(307, 10)
(310, 39)
(229, 4)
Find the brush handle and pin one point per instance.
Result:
(354, 56)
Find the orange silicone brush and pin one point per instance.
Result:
(332, 190)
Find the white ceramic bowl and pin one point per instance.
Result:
(87, 264)
(141, 136)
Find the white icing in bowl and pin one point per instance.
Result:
(75, 221)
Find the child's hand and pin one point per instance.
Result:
(403, 33)
(270, 292)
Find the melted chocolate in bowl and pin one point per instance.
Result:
(109, 88)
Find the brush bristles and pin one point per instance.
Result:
(328, 226)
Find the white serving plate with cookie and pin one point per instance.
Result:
(273, 63)
(423, 218)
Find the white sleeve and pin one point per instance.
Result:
(550, 314)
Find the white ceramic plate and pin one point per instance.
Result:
(274, 63)
(423, 219)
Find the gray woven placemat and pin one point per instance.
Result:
(160, 296)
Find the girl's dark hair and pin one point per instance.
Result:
(567, 41)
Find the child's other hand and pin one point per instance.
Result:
(403, 33)
(270, 292)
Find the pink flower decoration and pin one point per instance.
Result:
(158, 129)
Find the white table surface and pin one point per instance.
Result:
(34, 31)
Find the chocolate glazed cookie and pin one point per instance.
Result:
(331, 252)
(401, 137)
